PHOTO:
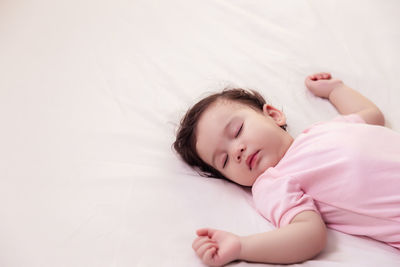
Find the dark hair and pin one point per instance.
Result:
(185, 143)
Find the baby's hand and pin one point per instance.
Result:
(215, 247)
(322, 84)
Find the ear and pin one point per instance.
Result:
(275, 114)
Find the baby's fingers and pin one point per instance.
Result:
(208, 257)
(319, 76)
(326, 75)
(205, 248)
(206, 232)
(198, 242)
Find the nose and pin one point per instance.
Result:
(239, 153)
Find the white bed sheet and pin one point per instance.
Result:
(91, 93)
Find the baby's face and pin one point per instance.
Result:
(241, 142)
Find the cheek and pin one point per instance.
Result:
(235, 174)
(267, 136)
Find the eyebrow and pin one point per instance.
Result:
(226, 127)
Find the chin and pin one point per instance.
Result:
(256, 176)
(262, 168)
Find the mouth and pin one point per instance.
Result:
(251, 160)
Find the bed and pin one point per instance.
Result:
(91, 93)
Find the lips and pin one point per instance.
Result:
(251, 160)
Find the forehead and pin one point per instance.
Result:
(219, 113)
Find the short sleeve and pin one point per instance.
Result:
(279, 200)
(351, 118)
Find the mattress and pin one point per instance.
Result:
(92, 92)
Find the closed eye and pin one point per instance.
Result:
(225, 162)
(240, 129)
(237, 134)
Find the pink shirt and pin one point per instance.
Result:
(346, 170)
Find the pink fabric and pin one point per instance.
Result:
(346, 170)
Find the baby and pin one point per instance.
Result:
(343, 174)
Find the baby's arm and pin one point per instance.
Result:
(345, 99)
(301, 240)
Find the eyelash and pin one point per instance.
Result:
(226, 159)
(240, 129)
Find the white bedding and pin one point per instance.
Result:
(91, 93)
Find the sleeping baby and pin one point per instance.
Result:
(343, 174)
